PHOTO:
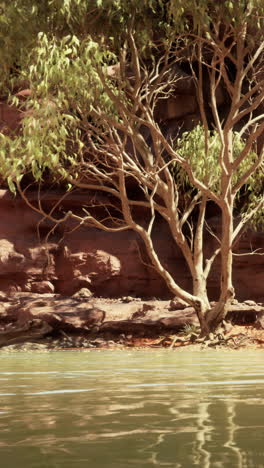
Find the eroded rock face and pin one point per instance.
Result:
(108, 265)
(78, 267)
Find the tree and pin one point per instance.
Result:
(92, 120)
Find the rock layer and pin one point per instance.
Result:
(109, 265)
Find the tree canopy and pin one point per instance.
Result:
(54, 47)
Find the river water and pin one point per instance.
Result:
(144, 409)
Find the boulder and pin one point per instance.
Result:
(83, 292)
(42, 287)
(177, 304)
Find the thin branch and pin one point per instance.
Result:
(246, 218)
(253, 252)
(209, 229)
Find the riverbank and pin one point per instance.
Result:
(50, 321)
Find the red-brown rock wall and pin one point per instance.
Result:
(108, 264)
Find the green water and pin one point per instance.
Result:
(119, 409)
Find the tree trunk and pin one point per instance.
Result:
(217, 314)
(202, 309)
(201, 305)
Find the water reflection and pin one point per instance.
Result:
(132, 409)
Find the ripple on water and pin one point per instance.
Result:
(132, 409)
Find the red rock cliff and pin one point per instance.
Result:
(108, 264)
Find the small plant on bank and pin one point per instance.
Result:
(190, 329)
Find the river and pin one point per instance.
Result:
(144, 409)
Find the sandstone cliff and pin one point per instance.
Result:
(110, 265)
